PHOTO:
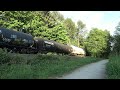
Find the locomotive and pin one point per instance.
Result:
(16, 41)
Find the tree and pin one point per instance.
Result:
(71, 29)
(80, 32)
(15, 20)
(57, 16)
(59, 34)
(116, 40)
(97, 43)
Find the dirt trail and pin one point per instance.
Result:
(91, 71)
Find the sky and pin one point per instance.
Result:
(97, 19)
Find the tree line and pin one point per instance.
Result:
(115, 41)
(52, 25)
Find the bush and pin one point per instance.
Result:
(17, 59)
(4, 56)
(11, 58)
(113, 67)
(39, 66)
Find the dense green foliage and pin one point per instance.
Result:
(81, 33)
(37, 66)
(113, 67)
(116, 40)
(98, 43)
(38, 23)
(70, 27)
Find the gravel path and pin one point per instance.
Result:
(91, 71)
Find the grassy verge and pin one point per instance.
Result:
(16, 66)
(113, 67)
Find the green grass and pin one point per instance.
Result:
(113, 67)
(22, 66)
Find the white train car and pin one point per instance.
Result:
(78, 51)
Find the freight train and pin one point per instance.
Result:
(16, 41)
